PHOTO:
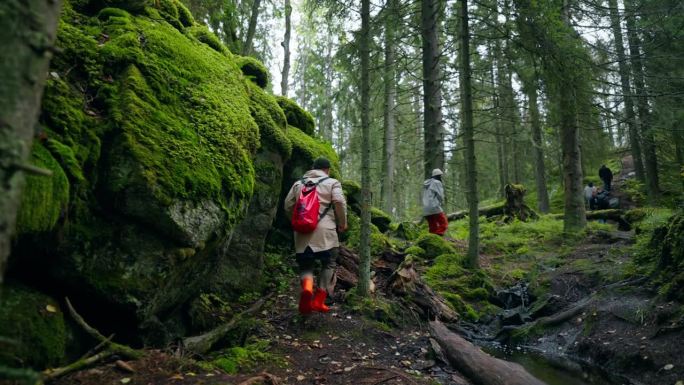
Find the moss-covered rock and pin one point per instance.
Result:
(44, 197)
(256, 71)
(415, 251)
(380, 219)
(407, 230)
(159, 146)
(32, 327)
(296, 116)
(434, 245)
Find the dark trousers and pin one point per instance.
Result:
(308, 260)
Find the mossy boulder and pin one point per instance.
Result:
(407, 230)
(256, 71)
(32, 329)
(297, 116)
(434, 245)
(665, 255)
(160, 147)
(380, 219)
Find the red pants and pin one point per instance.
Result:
(438, 223)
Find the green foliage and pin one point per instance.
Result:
(385, 312)
(380, 219)
(278, 273)
(379, 241)
(416, 251)
(33, 328)
(209, 310)
(44, 197)
(255, 70)
(296, 116)
(635, 190)
(434, 245)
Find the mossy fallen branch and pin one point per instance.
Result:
(112, 348)
(616, 215)
(204, 342)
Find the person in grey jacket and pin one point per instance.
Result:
(433, 198)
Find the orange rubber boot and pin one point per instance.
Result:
(318, 303)
(306, 295)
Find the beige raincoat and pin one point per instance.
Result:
(325, 235)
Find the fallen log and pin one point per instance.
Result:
(616, 215)
(477, 365)
(204, 342)
(489, 211)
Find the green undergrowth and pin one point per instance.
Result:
(467, 290)
(383, 313)
(352, 237)
(254, 354)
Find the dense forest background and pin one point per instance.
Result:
(625, 73)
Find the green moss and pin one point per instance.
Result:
(380, 219)
(434, 245)
(271, 121)
(296, 116)
(35, 325)
(44, 197)
(407, 230)
(254, 70)
(245, 358)
(306, 149)
(416, 251)
(204, 35)
(385, 312)
(67, 158)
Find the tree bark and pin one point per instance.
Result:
(432, 88)
(364, 270)
(539, 168)
(468, 139)
(251, 30)
(498, 133)
(284, 82)
(389, 119)
(649, 146)
(477, 365)
(26, 39)
(634, 141)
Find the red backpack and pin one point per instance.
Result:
(305, 214)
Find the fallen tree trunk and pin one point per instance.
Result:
(477, 365)
(490, 211)
(616, 215)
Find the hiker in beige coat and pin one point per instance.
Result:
(321, 244)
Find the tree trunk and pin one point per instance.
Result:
(284, 82)
(251, 30)
(633, 132)
(572, 161)
(539, 168)
(468, 139)
(477, 365)
(498, 133)
(432, 110)
(650, 157)
(515, 207)
(26, 40)
(364, 269)
(388, 118)
(327, 125)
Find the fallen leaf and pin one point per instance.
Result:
(125, 380)
(668, 367)
(190, 374)
(176, 377)
(51, 308)
(300, 378)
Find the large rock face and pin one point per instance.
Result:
(168, 160)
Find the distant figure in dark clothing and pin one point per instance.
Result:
(606, 176)
(601, 200)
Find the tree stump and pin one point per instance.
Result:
(515, 207)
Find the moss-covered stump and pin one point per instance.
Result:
(32, 329)
(515, 207)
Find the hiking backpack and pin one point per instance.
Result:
(305, 215)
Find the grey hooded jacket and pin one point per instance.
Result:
(433, 197)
